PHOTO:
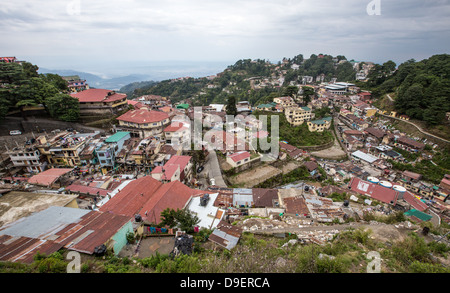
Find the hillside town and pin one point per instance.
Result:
(87, 190)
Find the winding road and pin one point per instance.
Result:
(418, 127)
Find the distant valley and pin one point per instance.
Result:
(116, 78)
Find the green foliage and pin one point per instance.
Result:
(153, 261)
(63, 107)
(131, 238)
(420, 267)
(430, 172)
(54, 263)
(300, 173)
(308, 94)
(423, 88)
(180, 264)
(183, 219)
(297, 136)
(23, 86)
(231, 106)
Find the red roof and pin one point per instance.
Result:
(149, 197)
(173, 195)
(49, 176)
(414, 201)
(23, 249)
(373, 190)
(87, 189)
(98, 95)
(174, 127)
(129, 201)
(239, 156)
(143, 116)
(182, 161)
(93, 229)
(169, 170)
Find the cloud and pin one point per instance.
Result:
(107, 31)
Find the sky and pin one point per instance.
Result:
(101, 36)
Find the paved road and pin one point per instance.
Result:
(212, 168)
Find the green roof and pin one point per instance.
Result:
(319, 121)
(117, 136)
(182, 106)
(306, 108)
(418, 214)
(327, 118)
(266, 106)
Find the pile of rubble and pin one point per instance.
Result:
(317, 237)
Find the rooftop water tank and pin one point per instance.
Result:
(373, 179)
(400, 189)
(386, 184)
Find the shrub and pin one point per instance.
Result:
(420, 267)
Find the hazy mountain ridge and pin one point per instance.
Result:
(95, 81)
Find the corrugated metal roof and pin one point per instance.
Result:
(44, 223)
(23, 249)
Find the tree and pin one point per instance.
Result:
(183, 218)
(186, 220)
(291, 91)
(56, 80)
(308, 93)
(168, 218)
(231, 106)
(63, 107)
(22, 104)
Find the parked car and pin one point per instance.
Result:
(15, 132)
(200, 169)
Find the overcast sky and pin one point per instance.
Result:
(77, 34)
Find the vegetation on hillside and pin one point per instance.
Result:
(422, 89)
(346, 253)
(237, 80)
(22, 86)
(298, 136)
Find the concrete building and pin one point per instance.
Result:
(100, 102)
(64, 148)
(319, 125)
(108, 150)
(143, 123)
(75, 83)
(28, 156)
(238, 159)
(297, 115)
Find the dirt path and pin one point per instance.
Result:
(418, 128)
(334, 152)
(255, 176)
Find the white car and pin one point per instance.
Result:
(15, 132)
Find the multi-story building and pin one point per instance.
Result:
(297, 115)
(75, 83)
(28, 156)
(64, 148)
(178, 134)
(143, 123)
(154, 102)
(108, 149)
(284, 102)
(319, 125)
(100, 102)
